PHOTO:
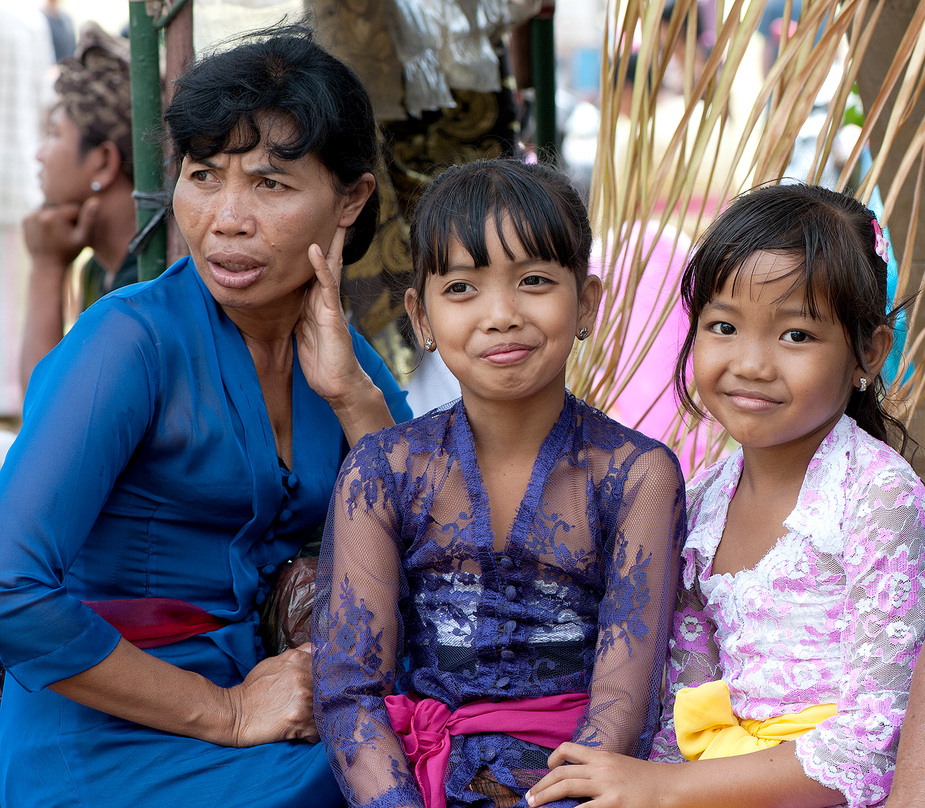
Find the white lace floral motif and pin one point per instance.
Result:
(832, 613)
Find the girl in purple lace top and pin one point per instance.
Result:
(497, 576)
(799, 615)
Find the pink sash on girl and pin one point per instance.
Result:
(425, 727)
(150, 622)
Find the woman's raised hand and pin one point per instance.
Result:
(275, 702)
(326, 349)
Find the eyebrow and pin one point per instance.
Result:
(801, 314)
(258, 170)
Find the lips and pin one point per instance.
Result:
(507, 353)
(751, 400)
(234, 270)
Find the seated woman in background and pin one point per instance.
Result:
(179, 444)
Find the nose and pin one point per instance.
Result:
(501, 311)
(231, 215)
(753, 359)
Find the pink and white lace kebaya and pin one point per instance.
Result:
(832, 613)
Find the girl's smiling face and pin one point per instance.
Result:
(504, 330)
(773, 376)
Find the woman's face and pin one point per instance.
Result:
(249, 220)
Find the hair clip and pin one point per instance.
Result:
(881, 245)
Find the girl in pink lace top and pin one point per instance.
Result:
(800, 607)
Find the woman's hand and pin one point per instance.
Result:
(326, 349)
(275, 702)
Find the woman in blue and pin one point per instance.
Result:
(181, 443)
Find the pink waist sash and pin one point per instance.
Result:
(425, 727)
(150, 622)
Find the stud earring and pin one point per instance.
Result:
(583, 333)
(96, 187)
(862, 384)
(429, 345)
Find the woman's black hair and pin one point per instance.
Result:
(547, 213)
(281, 71)
(840, 272)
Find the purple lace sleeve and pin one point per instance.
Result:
(635, 613)
(357, 627)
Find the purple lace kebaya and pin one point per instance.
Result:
(415, 594)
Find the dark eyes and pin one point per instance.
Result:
(725, 329)
(795, 335)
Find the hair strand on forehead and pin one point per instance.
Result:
(830, 236)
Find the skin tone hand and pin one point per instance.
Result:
(771, 777)
(55, 234)
(326, 349)
(275, 700)
(273, 703)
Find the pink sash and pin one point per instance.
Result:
(425, 727)
(150, 622)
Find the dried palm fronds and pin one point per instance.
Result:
(730, 128)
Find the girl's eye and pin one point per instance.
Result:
(458, 288)
(725, 329)
(795, 335)
(535, 280)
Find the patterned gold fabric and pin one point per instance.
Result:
(482, 124)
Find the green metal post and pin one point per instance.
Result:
(543, 65)
(148, 155)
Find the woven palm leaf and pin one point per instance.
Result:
(737, 128)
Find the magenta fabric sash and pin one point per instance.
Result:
(425, 727)
(150, 622)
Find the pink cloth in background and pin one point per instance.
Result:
(648, 402)
(425, 727)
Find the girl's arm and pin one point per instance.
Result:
(909, 783)
(771, 777)
(88, 409)
(357, 631)
(612, 780)
(642, 543)
(881, 628)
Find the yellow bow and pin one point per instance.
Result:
(706, 727)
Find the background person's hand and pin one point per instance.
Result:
(275, 701)
(55, 234)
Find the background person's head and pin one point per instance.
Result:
(280, 89)
(88, 144)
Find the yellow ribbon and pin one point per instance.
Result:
(707, 728)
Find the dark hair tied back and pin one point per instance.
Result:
(281, 72)
(840, 272)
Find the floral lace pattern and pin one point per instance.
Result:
(832, 613)
(413, 595)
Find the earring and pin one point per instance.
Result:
(583, 333)
(96, 187)
(862, 384)
(429, 345)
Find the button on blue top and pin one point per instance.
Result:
(506, 562)
(510, 592)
